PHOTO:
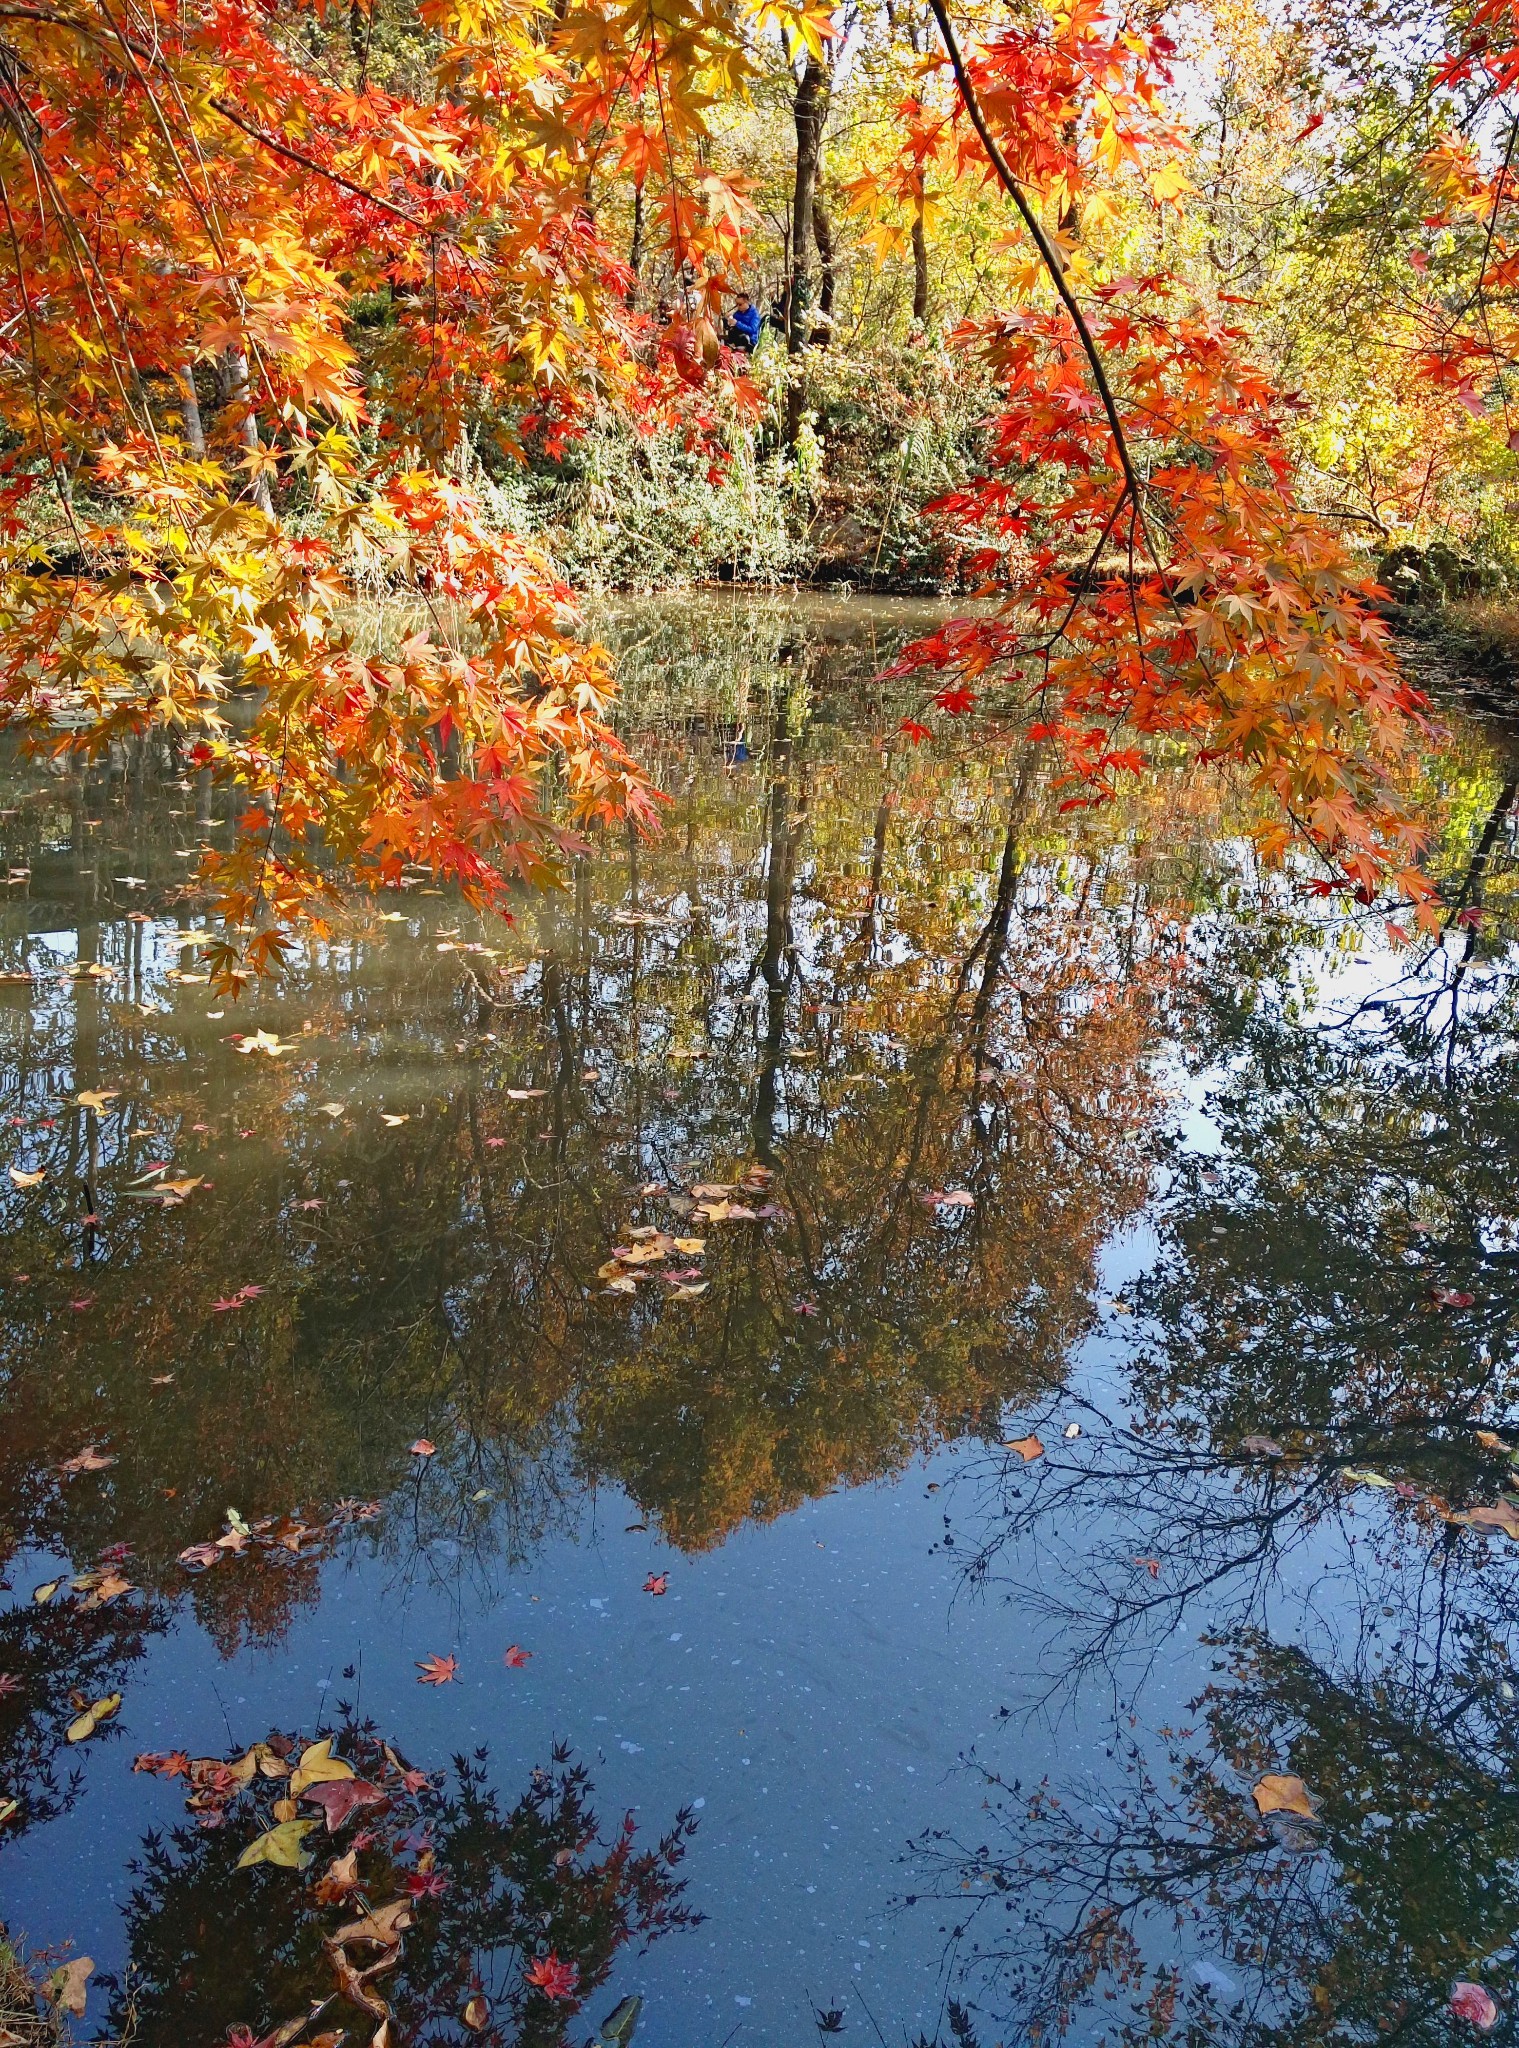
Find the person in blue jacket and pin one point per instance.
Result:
(744, 324)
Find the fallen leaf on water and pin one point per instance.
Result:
(90, 1459)
(516, 1657)
(338, 1880)
(1473, 2002)
(1451, 1297)
(8, 1807)
(711, 1191)
(84, 1727)
(949, 1198)
(727, 1212)
(65, 1988)
(552, 1977)
(45, 1591)
(1358, 1477)
(477, 2015)
(100, 1588)
(317, 1766)
(28, 1180)
(422, 1448)
(281, 1845)
(96, 1098)
(265, 1042)
(1261, 1447)
(1151, 1565)
(656, 1582)
(691, 1247)
(690, 1293)
(1281, 1792)
(333, 1109)
(437, 1670)
(1028, 1448)
(383, 1927)
(340, 1797)
(1503, 1514)
(1492, 1442)
(525, 1094)
(387, 1118)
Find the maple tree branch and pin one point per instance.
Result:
(52, 18)
(1048, 253)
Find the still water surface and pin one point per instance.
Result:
(932, 1581)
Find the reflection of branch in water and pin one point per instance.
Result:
(419, 1903)
(1169, 1905)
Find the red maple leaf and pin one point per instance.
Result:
(656, 1582)
(172, 1763)
(424, 1884)
(437, 1670)
(341, 1797)
(516, 1657)
(552, 1977)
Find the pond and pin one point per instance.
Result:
(949, 1357)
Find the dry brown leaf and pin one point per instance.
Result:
(1282, 1792)
(338, 1880)
(65, 1988)
(1503, 1514)
(382, 1928)
(1028, 1448)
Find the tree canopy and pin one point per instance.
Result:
(282, 287)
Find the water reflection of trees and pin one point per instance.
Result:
(432, 1900)
(884, 975)
(1328, 1324)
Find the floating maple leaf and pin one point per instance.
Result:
(656, 1582)
(1284, 1792)
(516, 1657)
(555, 1979)
(422, 1448)
(265, 1042)
(437, 1670)
(90, 1459)
(340, 1798)
(1472, 2002)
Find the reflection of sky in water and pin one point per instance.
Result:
(820, 1665)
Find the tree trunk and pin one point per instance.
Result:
(919, 267)
(635, 249)
(822, 234)
(809, 111)
(240, 398)
(195, 433)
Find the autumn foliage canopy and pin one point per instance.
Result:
(199, 197)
